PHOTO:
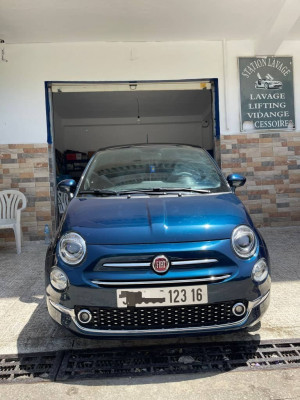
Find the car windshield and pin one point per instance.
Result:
(151, 168)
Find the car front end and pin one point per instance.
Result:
(161, 263)
(275, 84)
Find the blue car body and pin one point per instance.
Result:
(192, 231)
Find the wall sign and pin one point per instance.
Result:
(267, 93)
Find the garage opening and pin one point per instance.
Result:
(88, 117)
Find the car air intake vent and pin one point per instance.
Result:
(161, 317)
(146, 260)
(140, 283)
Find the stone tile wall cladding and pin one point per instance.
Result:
(271, 163)
(25, 167)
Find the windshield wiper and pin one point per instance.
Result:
(137, 191)
(164, 190)
(184, 189)
(152, 191)
(108, 192)
(99, 192)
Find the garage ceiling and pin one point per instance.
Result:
(31, 21)
(126, 104)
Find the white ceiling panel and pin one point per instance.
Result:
(31, 21)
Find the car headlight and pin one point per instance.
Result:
(58, 279)
(244, 242)
(260, 271)
(72, 248)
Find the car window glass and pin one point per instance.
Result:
(148, 167)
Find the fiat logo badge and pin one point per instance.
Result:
(160, 264)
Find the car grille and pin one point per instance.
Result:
(161, 317)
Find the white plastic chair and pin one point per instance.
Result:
(12, 202)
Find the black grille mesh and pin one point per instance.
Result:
(161, 317)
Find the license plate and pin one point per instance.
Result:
(162, 297)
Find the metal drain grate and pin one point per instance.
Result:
(39, 366)
(205, 357)
(190, 358)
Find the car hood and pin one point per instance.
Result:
(159, 219)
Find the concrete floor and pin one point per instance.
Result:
(259, 385)
(26, 325)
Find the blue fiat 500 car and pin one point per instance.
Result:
(155, 243)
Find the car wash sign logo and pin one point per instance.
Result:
(267, 93)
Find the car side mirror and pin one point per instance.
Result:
(67, 186)
(236, 180)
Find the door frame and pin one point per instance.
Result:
(50, 126)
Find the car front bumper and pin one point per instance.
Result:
(94, 286)
(275, 85)
(66, 316)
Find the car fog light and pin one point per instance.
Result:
(260, 271)
(84, 316)
(239, 309)
(58, 279)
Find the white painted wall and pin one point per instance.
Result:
(22, 96)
